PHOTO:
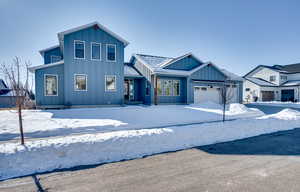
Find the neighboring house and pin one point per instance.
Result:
(88, 68)
(7, 99)
(273, 83)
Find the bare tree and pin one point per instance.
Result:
(17, 74)
(227, 94)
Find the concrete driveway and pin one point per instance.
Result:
(268, 109)
(263, 163)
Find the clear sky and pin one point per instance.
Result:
(234, 34)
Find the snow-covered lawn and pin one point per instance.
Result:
(279, 104)
(57, 153)
(38, 123)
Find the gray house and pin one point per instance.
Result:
(87, 68)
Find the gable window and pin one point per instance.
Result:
(79, 49)
(110, 83)
(148, 88)
(51, 85)
(272, 78)
(283, 77)
(55, 58)
(176, 87)
(80, 82)
(111, 52)
(95, 51)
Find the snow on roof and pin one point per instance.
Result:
(47, 49)
(291, 83)
(154, 62)
(231, 75)
(2, 84)
(260, 82)
(32, 69)
(130, 72)
(62, 34)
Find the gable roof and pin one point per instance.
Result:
(62, 34)
(2, 84)
(130, 71)
(260, 82)
(180, 58)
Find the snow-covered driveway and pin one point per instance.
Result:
(47, 123)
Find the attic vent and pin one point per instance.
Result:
(96, 27)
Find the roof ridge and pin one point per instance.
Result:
(147, 55)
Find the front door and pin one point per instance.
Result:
(129, 90)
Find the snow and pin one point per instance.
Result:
(66, 152)
(39, 123)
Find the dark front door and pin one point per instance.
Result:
(287, 95)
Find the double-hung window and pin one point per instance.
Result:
(272, 78)
(111, 52)
(110, 83)
(95, 51)
(80, 82)
(51, 85)
(79, 49)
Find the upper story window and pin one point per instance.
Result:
(111, 52)
(80, 82)
(95, 51)
(283, 77)
(110, 83)
(51, 85)
(55, 58)
(79, 49)
(272, 78)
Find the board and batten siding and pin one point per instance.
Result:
(186, 64)
(95, 70)
(55, 52)
(41, 99)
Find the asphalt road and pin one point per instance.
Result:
(263, 163)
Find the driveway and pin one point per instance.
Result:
(264, 163)
(268, 109)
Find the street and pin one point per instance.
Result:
(263, 163)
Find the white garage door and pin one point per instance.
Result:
(205, 94)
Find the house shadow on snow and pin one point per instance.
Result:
(279, 143)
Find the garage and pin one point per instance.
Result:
(267, 95)
(287, 95)
(205, 94)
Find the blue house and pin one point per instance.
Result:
(87, 68)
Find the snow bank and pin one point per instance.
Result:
(47, 155)
(285, 114)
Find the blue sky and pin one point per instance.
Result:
(234, 34)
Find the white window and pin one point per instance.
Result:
(95, 51)
(55, 58)
(51, 85)
(79, 49)
(111, 52)
(167, 88)
(283, 77)
(80, 82)
(176, 87)
(110, 83)
(272, 78)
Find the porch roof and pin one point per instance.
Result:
(129, 71)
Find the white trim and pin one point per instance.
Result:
(62, 34)
(86, 82)
(45, 85)
(32, 69)
(107, 53)
(143, 62)
(51, 60)
(106, 90)
(47, 49)
(80, 41)
(92, 51)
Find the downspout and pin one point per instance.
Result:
(155, 90)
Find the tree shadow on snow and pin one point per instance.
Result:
(279, 143)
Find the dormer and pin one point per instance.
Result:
(52, 54)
